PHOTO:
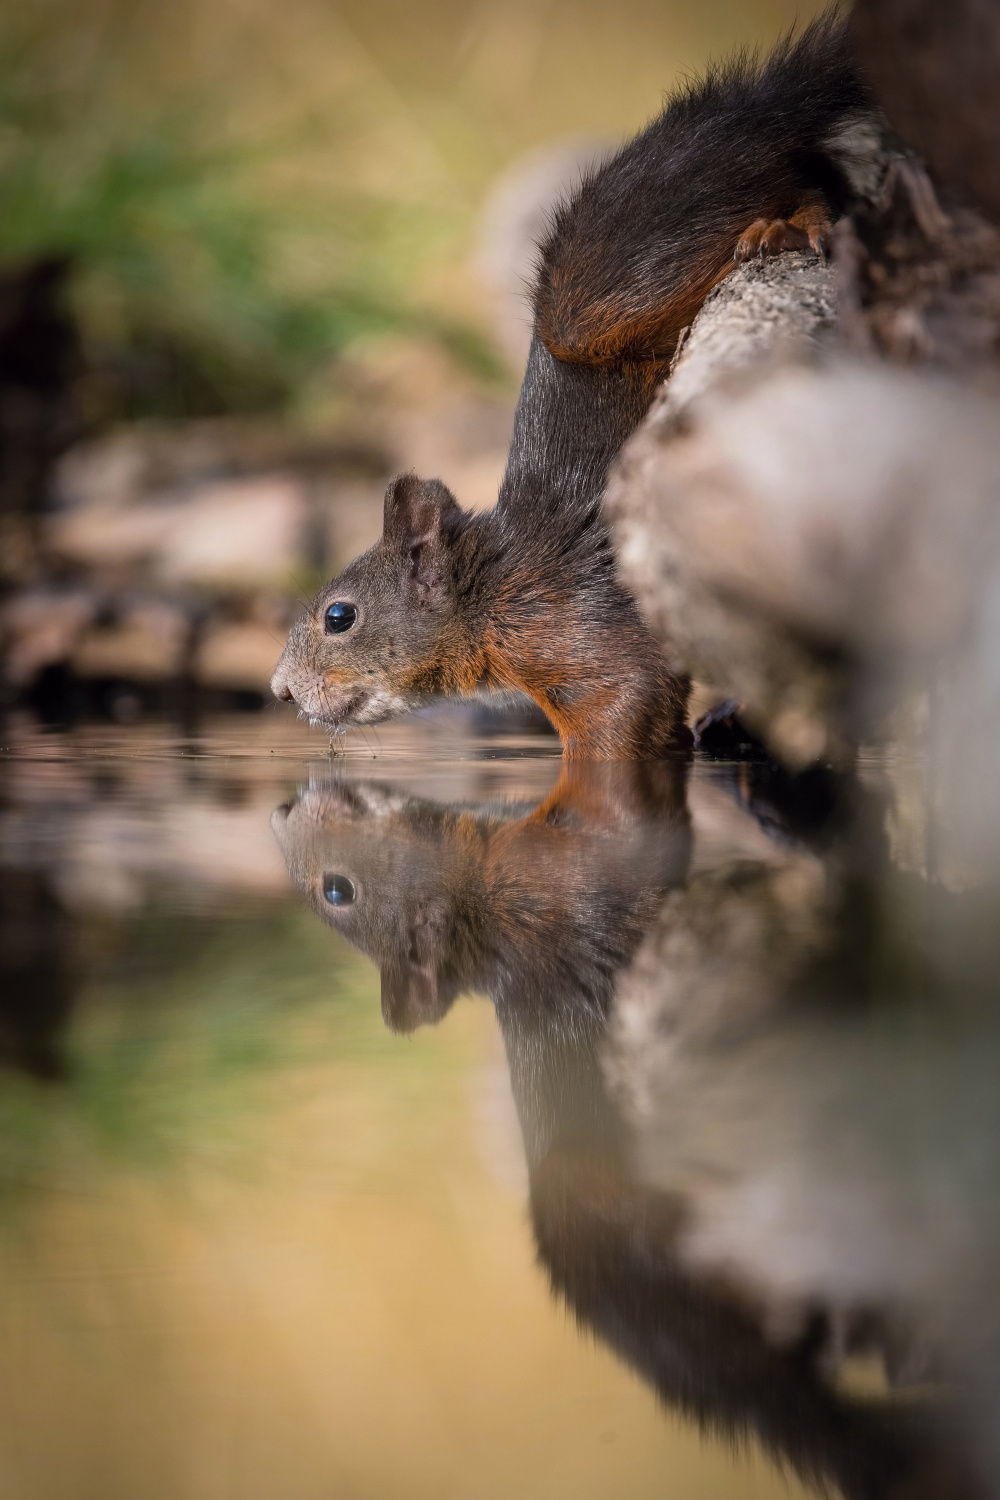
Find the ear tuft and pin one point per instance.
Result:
(414, 991)
(412, 996)
(420, 518)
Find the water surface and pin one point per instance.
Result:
(432, 1118)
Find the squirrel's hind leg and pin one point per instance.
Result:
(809, 228)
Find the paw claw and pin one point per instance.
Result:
(819, 239)
(766, 237)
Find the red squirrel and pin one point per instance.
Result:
(525, 596)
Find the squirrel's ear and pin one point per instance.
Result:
(413, 997)
(414, 992)
(420, 515)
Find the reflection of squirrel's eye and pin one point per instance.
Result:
(338, 890)
(340, 617)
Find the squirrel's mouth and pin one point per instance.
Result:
(338, 713)
(367, 707)
(334, 711)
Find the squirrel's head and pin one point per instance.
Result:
(374, 641)
(399, 878)
(503, 898)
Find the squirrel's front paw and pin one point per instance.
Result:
(808, 229)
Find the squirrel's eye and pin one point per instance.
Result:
(338, 890)
(339, 617)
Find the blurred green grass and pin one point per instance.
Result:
(187, 1033)
(212, 266)
(244, 189)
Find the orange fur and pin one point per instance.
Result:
(617, 330)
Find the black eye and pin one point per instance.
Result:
(339, 617)
(338, 890)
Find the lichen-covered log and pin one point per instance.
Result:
(919, 282)
(779, 308)
(811, 537)
(936, 70)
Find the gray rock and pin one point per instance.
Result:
(777, 308)
(39, 627)
(144, 641)
(225, 534)
(806, 535)
(237, 655)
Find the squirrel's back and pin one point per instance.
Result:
(632, 255)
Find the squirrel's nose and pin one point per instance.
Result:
(280, 688)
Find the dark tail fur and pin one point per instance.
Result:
(631, 257)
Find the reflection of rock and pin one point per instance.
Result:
(147, 829)
(795, 1078)
(717, 960)
(810, 1142)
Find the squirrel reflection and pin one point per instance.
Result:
(541, 910)
(538, 911)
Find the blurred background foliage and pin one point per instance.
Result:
(186, 1033)
(222, 196)
(211, 255)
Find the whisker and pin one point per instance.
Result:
(304, 598)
